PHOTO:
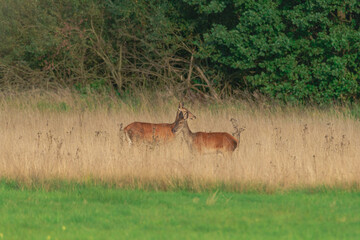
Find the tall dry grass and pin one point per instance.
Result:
(280, 148)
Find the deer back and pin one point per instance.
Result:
(214, 141)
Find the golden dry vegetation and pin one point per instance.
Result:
(64, 136)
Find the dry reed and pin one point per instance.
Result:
(286, 149)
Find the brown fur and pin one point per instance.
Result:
(149, 132)
(205, 142)
(154, 132)
(217, 141)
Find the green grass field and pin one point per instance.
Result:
(95, 212)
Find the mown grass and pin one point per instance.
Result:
(97, 212)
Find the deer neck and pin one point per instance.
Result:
(176, 119)
(186, 130)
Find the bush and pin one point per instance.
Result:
(289, 51)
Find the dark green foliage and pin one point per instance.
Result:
(290, 51)
(47, 38)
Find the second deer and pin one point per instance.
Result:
(204, 142)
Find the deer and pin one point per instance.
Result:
(154, 132)
(204, 142)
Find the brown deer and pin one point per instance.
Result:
(154, 132)
(204, 142)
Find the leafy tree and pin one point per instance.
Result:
(294, 51)
(291, 51)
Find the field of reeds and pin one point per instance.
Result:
(65, 136)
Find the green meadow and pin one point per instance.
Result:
(100, 212)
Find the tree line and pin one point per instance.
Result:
(303, 52)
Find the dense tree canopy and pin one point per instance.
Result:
(291, 51)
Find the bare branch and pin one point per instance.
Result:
(203, 77)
